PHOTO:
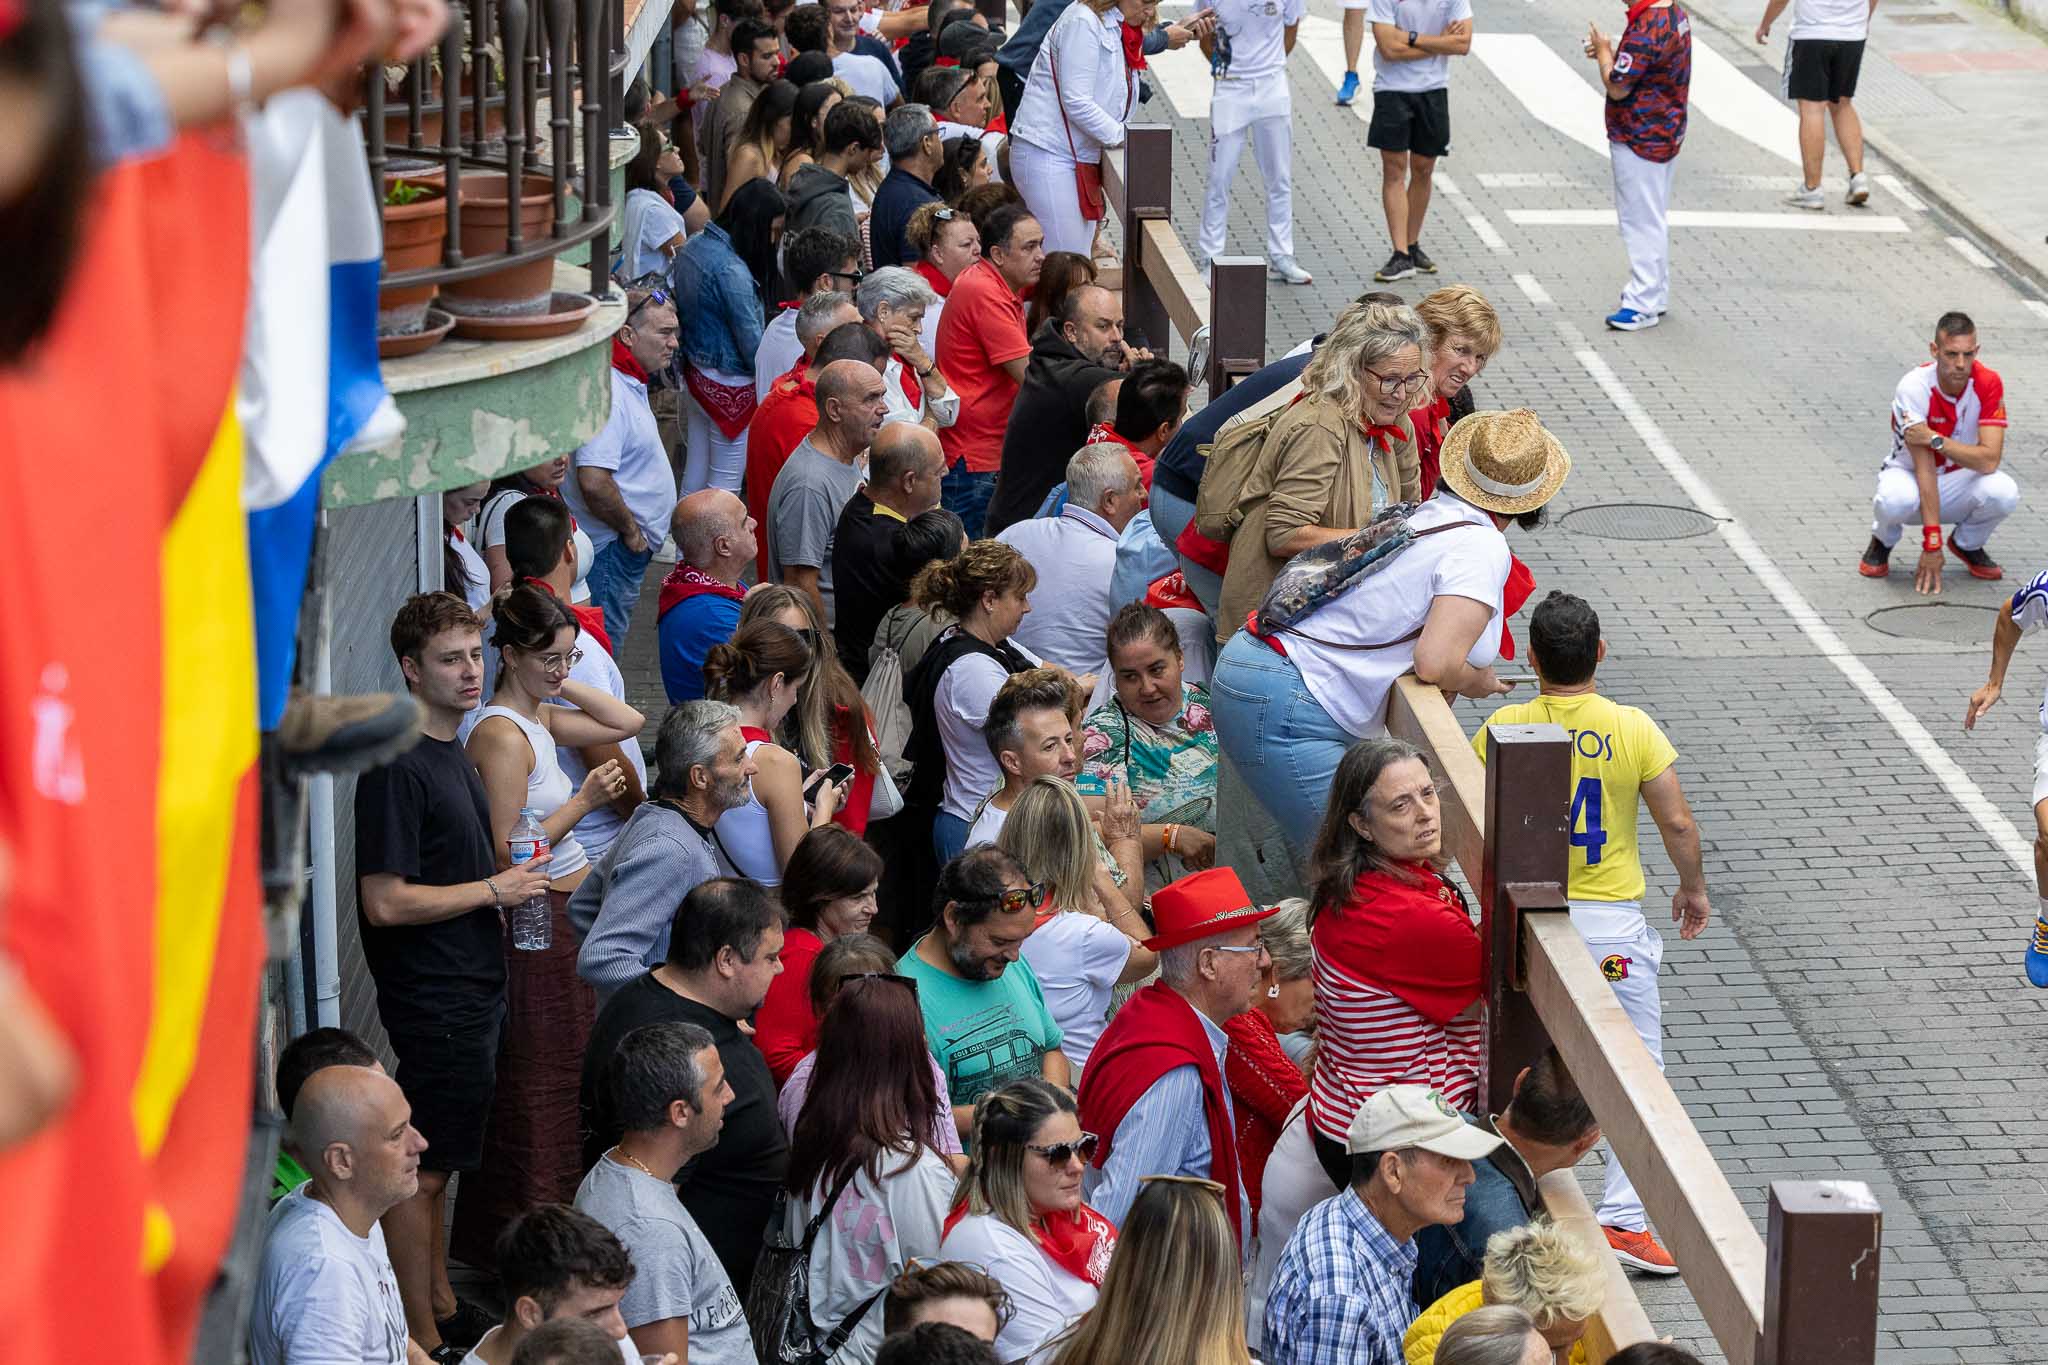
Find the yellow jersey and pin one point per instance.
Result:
(1615, 750)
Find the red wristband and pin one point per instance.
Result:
(1930, 539)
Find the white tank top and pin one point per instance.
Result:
(745, 837)
(547, 789)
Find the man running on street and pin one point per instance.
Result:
(2027, 610)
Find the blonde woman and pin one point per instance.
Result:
(1343, 453)
(1174, 1292)
(1539, 1268)
(1087, 940)
(1464, 333)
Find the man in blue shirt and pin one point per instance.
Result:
(700, 598)
(1341, 1293)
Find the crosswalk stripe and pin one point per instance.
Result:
(1551, 89)
(1485, 232)
(1183, 77)
(1701, 218)
(1533, 290)
(1723, 95)
(1897, 188)
(2038, 308)
(1967, 249)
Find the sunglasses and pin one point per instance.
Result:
(657, 296)
(1017, 897)
(851, 977)
(1060, 1153)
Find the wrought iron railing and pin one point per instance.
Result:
(484, 118)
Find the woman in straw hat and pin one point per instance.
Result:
(1287, 707)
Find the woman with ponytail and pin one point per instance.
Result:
(830, 722)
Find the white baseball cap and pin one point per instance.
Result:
(1416, 1116)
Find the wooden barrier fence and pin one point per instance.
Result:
(1808, 1296)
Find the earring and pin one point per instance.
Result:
(1273, 991)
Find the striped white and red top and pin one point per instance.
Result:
(1395, 967)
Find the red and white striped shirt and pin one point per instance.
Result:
(1395, 967)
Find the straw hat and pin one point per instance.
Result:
(1504, 462)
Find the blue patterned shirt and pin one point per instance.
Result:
(1341, 1291)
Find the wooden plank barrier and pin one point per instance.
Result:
(1811, 1297)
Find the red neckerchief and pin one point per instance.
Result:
(1172, 591)
(1633, 10)
(1384, 437)
(1435, 413)
(1134, 46)
(456, 531)
(1103, 432)
(1521, 585)
(946, 61)
(913, 387)
(934, 277)
(1079, 1243)
(590, 618)
(684, 582)
(999, 122)
(787, 304)
(624, 363)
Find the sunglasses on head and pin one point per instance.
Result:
(1060, 1153)
(1017, 898)
(657, 296)
(849, 978)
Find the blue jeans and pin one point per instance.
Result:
(1277, 738)
(1170, 516)
(949, 836)
(614, 582)
(966, 496)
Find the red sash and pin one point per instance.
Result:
(934, 277)
(1521, 585)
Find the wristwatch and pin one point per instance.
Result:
(1935, 443)
(1411, 37)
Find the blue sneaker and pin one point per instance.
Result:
(2037, 953)
(1348, 91)
(1629, 320)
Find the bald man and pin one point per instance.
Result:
(906, 465)
(325, 1292)
(700, 598)
(822, 475)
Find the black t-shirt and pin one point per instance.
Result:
(729, 1190)
(866, 581)
(424, 817)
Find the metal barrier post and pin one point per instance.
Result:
(1820, 1274)
(1528, 778)
(1148, 194)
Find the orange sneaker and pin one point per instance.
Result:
(1640, 1251)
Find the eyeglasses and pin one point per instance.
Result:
(1254, 948)
(851, 977)
(1391, 385)
(854, 275)
(655, 296)
(1060, 1153)
(809, 635)
(1016, 898)
(561, 663)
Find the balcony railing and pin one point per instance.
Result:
(474, 105)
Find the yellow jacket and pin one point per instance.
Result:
(1426, 1331)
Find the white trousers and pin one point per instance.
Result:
(712, 459)
(1046, 180)
(1971, 502)
(1272, 140)
(1642, 199)
(1630, 965)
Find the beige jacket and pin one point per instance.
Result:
(1317, 469)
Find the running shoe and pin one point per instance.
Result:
(1859, 190)
(1288, 271)
(1981, 565)
(1809, 198)
(1640, 1251)
(1876, 561)
(2037, 953)
(1421, 259)
(1629, 320)
(1399, 266)
(1348, 91)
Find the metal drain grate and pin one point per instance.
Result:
(1948, 623)
(1638, 521)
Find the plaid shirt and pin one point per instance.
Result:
(1341, 1291)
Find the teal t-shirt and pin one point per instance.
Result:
(985, 1034)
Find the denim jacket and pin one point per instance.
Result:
(1502, 1195)
(718, 304)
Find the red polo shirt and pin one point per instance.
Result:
(787, 415)
(981, 328)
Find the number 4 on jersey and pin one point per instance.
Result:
(1586, 806)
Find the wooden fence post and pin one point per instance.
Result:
(1148, 194)
(1528, 781)
(1820, 1274)
(1237, 321)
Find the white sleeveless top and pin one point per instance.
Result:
(547, 789)
(745, 838)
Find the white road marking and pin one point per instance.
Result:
(1484, 230)
(1529, 180)
(2038, 308)
(1554, 91)
(1323, 40)
(1703, 218)
(1967, 249)
(2004, 835)
(1722, 94)
(1533, 290)
(1897, 189)
(1447, 186)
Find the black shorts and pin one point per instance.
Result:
(1823, 69)
(1417, 121)
(449, 1079)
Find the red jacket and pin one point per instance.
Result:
(1265, 1085)
(787, 415)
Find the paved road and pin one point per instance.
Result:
(1857, 1010)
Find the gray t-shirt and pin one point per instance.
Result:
(803, 508)
(675, 1274)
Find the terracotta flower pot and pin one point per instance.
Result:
(413, 237)
(486, 214)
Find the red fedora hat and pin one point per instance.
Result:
(1201, 905)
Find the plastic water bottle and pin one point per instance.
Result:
(533, 921)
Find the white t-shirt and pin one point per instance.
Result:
(650, 222)
(324, 1296)
(628, 1352)
(867, 76)
(1352, 685)
(1293, 1184)
(1842, 20)
(1424, 17)
(987, 826)
(596, 830)
(2029, 607)
(1254, 27)
(961, 701)
(675, 1272)
(1078, 958)
(778, 351)
(1045, 1296)
(630, 446)
(869, 1239)
(492, 519)
(477, 590)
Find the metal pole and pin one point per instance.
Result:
(1528, 783)
(1820, 1275)
(1237, 321)
(1148, 195)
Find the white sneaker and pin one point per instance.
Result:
(1288, 270)
(1859, 189)
(1804, 198)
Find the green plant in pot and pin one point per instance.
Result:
(415, 230)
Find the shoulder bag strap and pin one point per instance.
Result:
(824, 1210)
(1414, 634)
(1052, 61)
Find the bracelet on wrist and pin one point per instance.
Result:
(1168, 837)
(1930, 539)
(497, 900)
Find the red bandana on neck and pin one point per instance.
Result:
(590, 618)
(1079, 1243)
(1384, 437)
(934, 277)
(1633, 10)
(684, 582)
(1521, 585)
(624, 363)
(1103, 431)
(1134, 46)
